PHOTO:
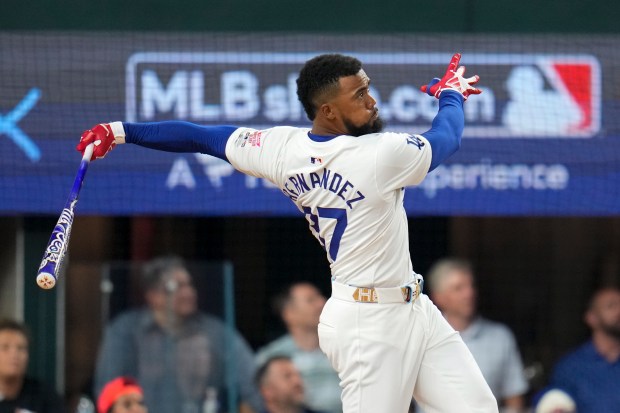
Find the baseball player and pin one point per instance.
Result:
(385, 339)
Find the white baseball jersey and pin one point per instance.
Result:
(350, 189)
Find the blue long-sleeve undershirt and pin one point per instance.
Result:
(447, 127)
(178, 136)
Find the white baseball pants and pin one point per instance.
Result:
(385, 353)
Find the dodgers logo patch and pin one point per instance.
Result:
(415, 141)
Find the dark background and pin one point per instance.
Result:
(363, 16)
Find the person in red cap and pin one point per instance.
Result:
(121, 395)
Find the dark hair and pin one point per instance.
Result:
(12, 325)
(154, 271)
(262, 371)
(281, 299)
(320, 75)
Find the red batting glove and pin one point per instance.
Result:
(103, 138)
(453, 80)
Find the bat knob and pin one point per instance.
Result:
(46, 281)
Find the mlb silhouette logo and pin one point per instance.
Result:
(316, 161)
(555, 97)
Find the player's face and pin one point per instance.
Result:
(305, 307)
(458, 295)
(355, 106)
(283, 385)
(129, 403)
(13, 354)
(605, 313)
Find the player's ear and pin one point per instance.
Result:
(327, 111)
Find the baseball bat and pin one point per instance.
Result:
(59, 240)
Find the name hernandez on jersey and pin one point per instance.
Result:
(296, 185)
(350, 190)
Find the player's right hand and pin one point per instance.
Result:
(453, 80)
(102, 135)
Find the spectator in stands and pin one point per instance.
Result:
(452, 289)
(591, 374)
(18, 392)
(121, 395)
(176, 353)
(300, 305)
(281, 386)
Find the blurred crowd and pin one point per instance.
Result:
(169, 356)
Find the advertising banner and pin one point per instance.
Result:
(542, 139)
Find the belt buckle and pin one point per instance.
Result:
(365, 295)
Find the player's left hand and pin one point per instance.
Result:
(453, 80)
(103, 138)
